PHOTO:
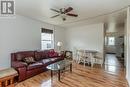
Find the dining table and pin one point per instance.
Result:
(91, 51)
(91, 54)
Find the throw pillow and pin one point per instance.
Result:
(52, 53)
(29, 60)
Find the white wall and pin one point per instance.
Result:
(60, 36)
(21, 33)
(89, 37)
(128, 46)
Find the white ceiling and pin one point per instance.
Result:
(86, 9)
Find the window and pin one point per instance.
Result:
(46, 39)
(111, 40)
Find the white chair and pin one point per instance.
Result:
(97, 59)
(75, 54)
(82, 57)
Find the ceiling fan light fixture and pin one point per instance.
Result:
(64, 19)
(63, 12)
(63, 16)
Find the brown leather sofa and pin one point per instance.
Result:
(42, 58)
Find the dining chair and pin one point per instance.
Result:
(97, 59)
(76, 55)
(82, 57)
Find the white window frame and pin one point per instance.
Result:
(108, 41)
(52, 41)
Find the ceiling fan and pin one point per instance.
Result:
(63, 12)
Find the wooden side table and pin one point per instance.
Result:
(7, 77)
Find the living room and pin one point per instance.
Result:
(22, 31)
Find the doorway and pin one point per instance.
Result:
(114, 47)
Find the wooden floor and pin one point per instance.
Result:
(81, 77)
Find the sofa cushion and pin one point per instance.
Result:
(54, 59)
(21, 55)
(46, 61)
(29, 60)
(41, 55)
(49, 61)
(35, 65)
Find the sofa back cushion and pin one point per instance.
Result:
(41, 54)
(20, 55)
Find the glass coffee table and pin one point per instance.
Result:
(59, 66)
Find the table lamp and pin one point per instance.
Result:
(59, 44)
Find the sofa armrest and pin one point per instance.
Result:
(21, 68)
(18, 64)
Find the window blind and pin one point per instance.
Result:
(44, 30)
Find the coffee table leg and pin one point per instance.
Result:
(59, 75)
(51, 73)
(70, 67)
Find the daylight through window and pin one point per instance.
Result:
(111, 40)
(46, 39)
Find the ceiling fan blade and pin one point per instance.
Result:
(55, 16)
(68, 9)
(74, 15)
(55, 10)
